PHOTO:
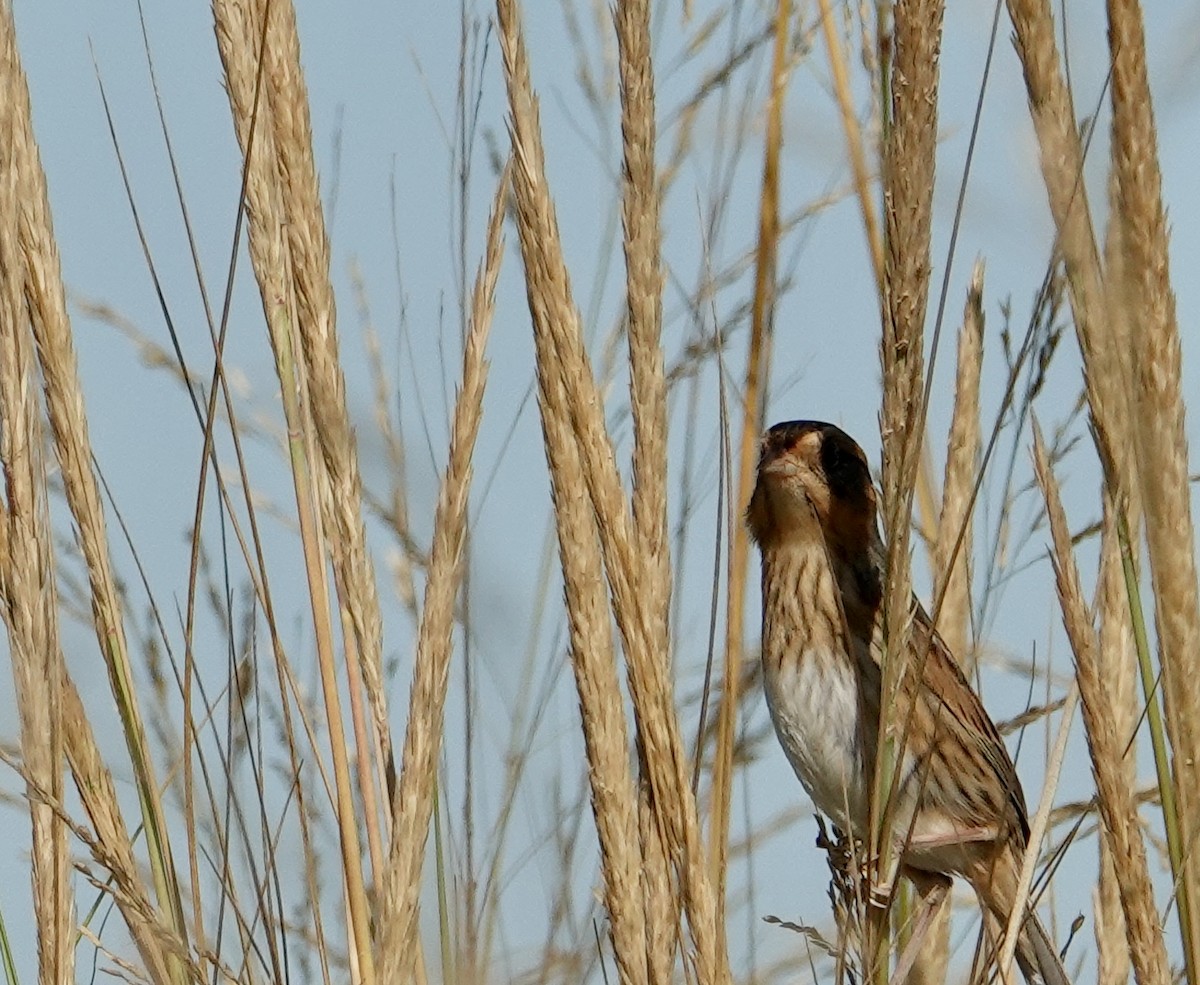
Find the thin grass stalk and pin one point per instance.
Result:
(28, 596)
(288, 687)
(521, 743)
(1116, 801)
(633, 895)
(95, 791)
(189, 741)
(45, 302)
(395, 508)
(753, 401)
(1062, 169)
(111, 847)
(252, 552)
(1161, 443)
(470, 958)
(1150, 691)
(952, 547)
(441, 878)
(308, 244)
(1116, 655)
(637, 890)
(284, 676)
(855, 144)
(648, 391)
(7, 958)
(1108, 398)
(950, 550)
(412, 805)
(186, 756)
(559, 344)
(341, 483)
(273, 208)
(1037, 833)
(1023, 900)
(908, 172)
(313, 542)
(1117, 651)
(218, 386)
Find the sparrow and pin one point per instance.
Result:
(957, 807)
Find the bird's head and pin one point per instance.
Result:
(812, 478)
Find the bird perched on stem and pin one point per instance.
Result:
(956, 803)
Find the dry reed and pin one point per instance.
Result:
(561, 357)
(1062, 170)
(1154, 396)
(341, 491)
(28, 596)
(753, 400)
(1107, 747)
(289, 252)
(854, 144)
(636, 883)
(664, 888)
(1117, 652)
(648, 392)
(111, 847)
(909, 146)
(412, 806)
(37, 261)
(1160, 439)
(952, 549)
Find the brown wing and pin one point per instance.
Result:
(964, 736)
(958, 764)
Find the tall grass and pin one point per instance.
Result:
(292, 820)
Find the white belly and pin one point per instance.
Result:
(814, 705)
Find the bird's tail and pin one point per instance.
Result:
(1037, 955)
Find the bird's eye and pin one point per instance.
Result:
(844, 470)
(834, 458)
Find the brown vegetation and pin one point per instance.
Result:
(192, 862)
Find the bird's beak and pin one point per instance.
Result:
(776, 464)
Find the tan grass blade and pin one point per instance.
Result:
(1037, 833)
(28, 595)
(855, 143)
(1108, 748)
(1161, 438)
(289, 253)
(45, 304)
(753, 400)
(110, 845)
(412, 807)
(909, 149)
(1062, 167)
(951, 551)
(637, 893)
(648, 391)
(1108, 397)
(560, 352)
(1117, 654)
(342, 499)
(644, 283)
